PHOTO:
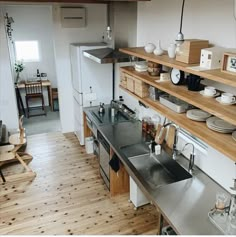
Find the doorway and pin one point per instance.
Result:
(31, 50)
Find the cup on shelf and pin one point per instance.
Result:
(227, 98)
(221, 200)
(209, 90)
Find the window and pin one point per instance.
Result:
(28, 51)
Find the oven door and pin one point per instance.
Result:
(104, 158)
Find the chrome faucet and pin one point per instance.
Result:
(192, 157)
(175, 151)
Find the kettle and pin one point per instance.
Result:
(101, 109)
(193, 82)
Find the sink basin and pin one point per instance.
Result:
(155, 170)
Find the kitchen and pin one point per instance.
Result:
(156, 15)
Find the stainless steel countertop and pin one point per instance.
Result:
(185, 204)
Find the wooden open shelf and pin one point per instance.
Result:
(226, 112)
(215, 75)
(221, 142)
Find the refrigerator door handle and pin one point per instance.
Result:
(81, 98)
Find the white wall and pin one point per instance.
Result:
(35, 23)
(8, 110)
(125, 24)
(209, 19)
(204, 19)
(93, 32)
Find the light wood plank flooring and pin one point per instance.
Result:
(67, 196)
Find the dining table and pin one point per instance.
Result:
(21, 85)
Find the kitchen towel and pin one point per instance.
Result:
(115, 163)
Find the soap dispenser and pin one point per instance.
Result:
(101, 108)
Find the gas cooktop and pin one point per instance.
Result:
(106, 118)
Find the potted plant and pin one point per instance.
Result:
(19, 66)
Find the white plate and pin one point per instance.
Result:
(197, 119)
(141, 65)
(234, 135)
(220, 124)
(223, 103)
(198, 114)
(203, 93)
(219, 130)
(140, 70)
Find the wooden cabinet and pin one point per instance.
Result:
(119, 181)
(221, 142)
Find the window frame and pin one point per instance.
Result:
(30, 60)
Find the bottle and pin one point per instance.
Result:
(38, 74)
(158, 51)
(121, 100)
(112, 111)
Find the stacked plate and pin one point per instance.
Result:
(197, 115)
(141, 66)
(219, 125)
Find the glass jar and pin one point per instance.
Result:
(150, 127)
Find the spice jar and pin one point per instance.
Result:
(145, 123)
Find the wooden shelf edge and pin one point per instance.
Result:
(228, 113)
(224, 143)
(214, 75)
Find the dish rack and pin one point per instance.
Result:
(173, 103)
(222, 222)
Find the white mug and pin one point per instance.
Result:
(227, 98)
(209, 90)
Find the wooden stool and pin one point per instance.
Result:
(10, 153)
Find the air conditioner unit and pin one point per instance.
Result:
(73, 17)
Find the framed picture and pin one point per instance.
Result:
(229, 63)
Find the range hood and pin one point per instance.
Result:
(106, 55)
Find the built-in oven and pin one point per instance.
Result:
(104, 158)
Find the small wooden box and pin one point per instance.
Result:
(123, 79)
(130, 82)
(141, 88)
(190, 51)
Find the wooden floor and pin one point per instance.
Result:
(67, 196)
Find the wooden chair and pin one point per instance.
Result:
(34, 90)
(10, 153)
(54, 98)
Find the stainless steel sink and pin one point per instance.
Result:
(156, 171)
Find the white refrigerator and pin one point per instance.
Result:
(92, 83)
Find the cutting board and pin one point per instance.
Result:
(170, 137)
(160, 134)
